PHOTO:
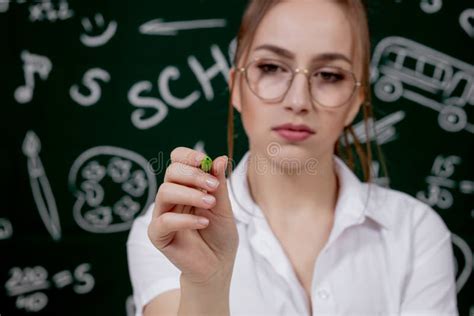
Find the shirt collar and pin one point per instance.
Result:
(356, 200)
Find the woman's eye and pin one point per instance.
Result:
(269, 68)
(330, 76)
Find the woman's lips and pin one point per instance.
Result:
(292, 135)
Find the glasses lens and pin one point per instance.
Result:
(268, 79)
(332, 87)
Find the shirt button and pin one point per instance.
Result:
(323, 294)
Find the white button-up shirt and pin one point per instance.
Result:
(387, 254)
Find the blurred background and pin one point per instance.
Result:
(95, 94)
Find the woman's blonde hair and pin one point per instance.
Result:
(356, 10)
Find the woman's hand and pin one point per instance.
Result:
(203, 253)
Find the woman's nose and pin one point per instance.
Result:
(298, 97)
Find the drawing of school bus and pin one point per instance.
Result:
(403, 68)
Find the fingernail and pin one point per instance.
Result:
(212, 183)
(209, 199)
(226, 161)
(203, 221)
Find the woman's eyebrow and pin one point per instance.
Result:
(320, 57)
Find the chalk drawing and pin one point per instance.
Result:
(231, 50)
(94, 193)
(204, 76)
(119, 169)
(130, 308)
(466, 186)
(105, 32)
(140, 119)
(199, 146)
(431, 6)
(29, 284)
(93, 171)
(4, 5)
(100, 170)
(463, 269)
(466, 20)
(90, 82)
(6, 229)
(40, 187)
(173, 73)
(87, 281)
(384, 129)
(403, 68)
(32, 64)
(159, 27)
(45, 11)
(32, 303)
(137, 184)
(126, 208)
(377, 178)
(440, 185)
(151, 111)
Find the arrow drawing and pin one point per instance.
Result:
(159, 27)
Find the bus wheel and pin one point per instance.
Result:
(388, 89)
(452, 118)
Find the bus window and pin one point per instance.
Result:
(429, 70)
(392, 57)
(410, 63)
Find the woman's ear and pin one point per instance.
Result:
(235, 93)
(355, 107)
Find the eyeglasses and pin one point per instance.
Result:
(270, 80)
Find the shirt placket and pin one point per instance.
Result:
(267, 246)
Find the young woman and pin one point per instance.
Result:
(292, 230)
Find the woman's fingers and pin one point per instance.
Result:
(184, 174)
(171, 194)
(187, 156)
(222, 206)
(161, 230)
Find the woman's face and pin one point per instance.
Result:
(305, 29)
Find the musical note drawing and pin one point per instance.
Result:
(103, 169)
(32, 64)
(466, 20)
(159, 27)
(98, 25)
(403, 68)
(45, 11)
(40, 187)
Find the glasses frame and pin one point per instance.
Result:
(294, 72)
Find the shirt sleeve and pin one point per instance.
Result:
(431, 281)
(151, 273)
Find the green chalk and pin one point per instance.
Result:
(206, 164)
